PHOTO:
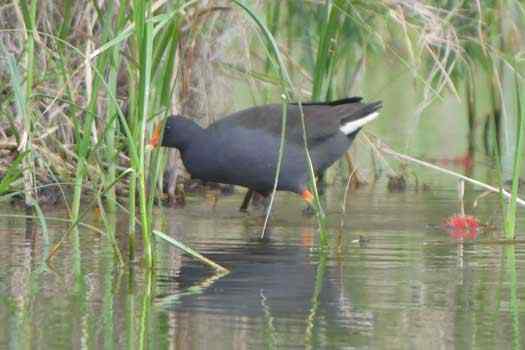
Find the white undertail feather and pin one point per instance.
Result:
(352, 126)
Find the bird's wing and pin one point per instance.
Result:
(321, 119)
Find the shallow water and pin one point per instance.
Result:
(390, 279)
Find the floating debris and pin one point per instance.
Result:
(397, 183)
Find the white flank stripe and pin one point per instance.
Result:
(352, 126)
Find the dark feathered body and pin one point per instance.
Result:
(242, 148)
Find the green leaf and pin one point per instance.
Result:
(13, 172)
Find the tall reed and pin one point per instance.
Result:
(28, 10)
(511, 213)
(288, 90)
(144, 45)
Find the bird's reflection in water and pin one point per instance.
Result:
(266, 277)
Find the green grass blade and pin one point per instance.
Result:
(191, 252)
(510, 217)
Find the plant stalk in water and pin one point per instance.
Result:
(287, 87)
(510, 215)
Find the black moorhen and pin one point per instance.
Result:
(242, 148)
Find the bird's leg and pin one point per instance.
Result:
(172, 188)
(262, 199)
(246, 201)
(256, 198)
(321, 184)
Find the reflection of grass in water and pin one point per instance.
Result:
(145, 313)
(512, 279)
(109, 280)
(269, 328)
(131, 338)
(311, 341)
(196, 289)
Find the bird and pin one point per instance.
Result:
(243, 148)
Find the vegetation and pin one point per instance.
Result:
(84, 82)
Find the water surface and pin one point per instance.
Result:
(391, 278)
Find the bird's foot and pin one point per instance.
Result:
(309, 211)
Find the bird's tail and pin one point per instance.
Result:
(360, 117)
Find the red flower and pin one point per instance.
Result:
(462, 226)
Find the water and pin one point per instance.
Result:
(390, 279)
